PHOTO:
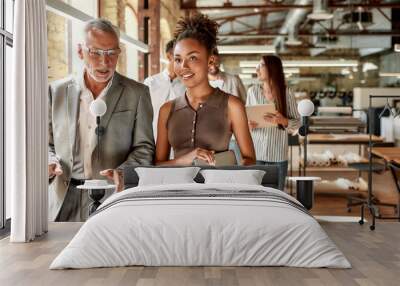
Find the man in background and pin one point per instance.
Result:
(164, 86)
(224, 81)
(127, 139)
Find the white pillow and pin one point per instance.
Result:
(248, 177)
(166, 176)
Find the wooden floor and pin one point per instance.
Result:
(375, 257)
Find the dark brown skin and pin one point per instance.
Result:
(191, 64)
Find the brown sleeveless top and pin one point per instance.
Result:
(206, 128)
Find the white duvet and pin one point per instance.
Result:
(207, 230)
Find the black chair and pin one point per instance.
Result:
(377, 167)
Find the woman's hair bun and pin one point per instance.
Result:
(199, 27)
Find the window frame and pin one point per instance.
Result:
(6, 39)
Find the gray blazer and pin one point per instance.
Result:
(128, 137)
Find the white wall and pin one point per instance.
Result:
(361, 96)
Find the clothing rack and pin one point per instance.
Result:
(369, 203)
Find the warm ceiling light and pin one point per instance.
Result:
(246, 49)
(321, 63)
(367, 66)
(320, 16)
(307, 63)
(243, 76)
(345, 71)
(291, 70)
(286, 71)
(293, 42)
(248, 70)
(389, 74)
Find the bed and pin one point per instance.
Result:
(201, 224)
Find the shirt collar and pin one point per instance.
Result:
(214, 100)
(165, 74)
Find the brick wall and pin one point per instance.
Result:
(170, 13)
(114, 11)
(56, 47)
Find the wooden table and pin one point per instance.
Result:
(392, 156)
(315, 138)
(389, 154)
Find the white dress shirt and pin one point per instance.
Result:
(86, 125)
(231, 84)
(162, 89)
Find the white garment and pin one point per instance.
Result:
(82, 167)
(162, 89)
(218, 83)
(230, 84)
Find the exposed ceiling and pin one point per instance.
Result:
(352, 29)
(267, 22)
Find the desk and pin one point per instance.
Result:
(389, 154)
(354, 139)
(392, 157)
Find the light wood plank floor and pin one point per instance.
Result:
(375, 257)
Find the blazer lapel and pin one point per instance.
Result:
(73, 92)
(111, 99)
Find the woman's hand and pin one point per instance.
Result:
(252, 124)
(198, 153)
(276, 118)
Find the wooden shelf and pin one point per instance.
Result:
(330, 169)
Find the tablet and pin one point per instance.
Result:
(227, 158)
(256, 113)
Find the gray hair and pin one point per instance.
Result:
(103, 25)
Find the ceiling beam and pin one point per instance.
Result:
(244, 15)
(271, 25)
(330, 32)
(270, 6)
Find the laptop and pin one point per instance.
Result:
(226, 158)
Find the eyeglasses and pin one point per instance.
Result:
(97, 53)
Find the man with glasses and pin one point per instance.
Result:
(127, 124)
